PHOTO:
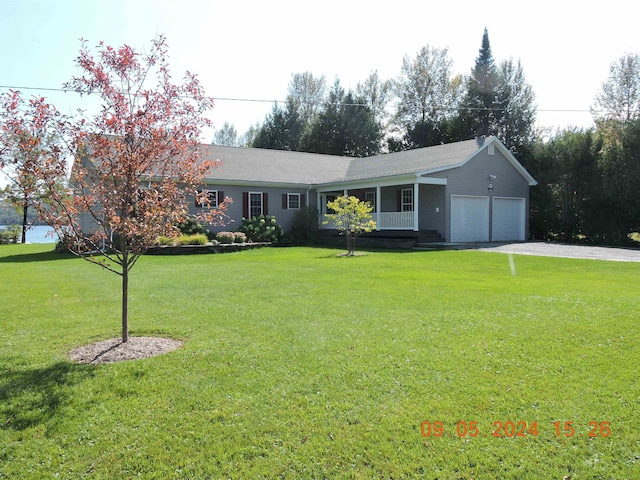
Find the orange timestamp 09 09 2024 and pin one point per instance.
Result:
(515, 429)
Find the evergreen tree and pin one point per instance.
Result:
(281, 129)
(619, 172)
(284, 127)
(345, 126)
(480, 105)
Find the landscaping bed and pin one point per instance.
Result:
(200, 249)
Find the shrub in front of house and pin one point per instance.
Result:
(190, 227)
(166, 241)
(197, 239)
(304, 229)
(225, 237)
(211, 235)
(263, 228)
(239, 237)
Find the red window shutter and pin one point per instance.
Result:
(303, 200)
(245, 204)
(265, 203)
(399, 201)
(284, 201)
(220, 197)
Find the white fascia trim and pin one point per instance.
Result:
(368, 183)
(431, 181)
(213, 181)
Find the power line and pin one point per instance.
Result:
(258, 100)
(49, 89)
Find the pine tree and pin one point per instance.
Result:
(480, 103)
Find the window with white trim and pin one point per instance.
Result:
(371, 198)
(407, 200)
(293, 201)
(212, 196)
(255, 204)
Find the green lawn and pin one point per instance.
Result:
(301, 364)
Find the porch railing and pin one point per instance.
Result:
(384, 221)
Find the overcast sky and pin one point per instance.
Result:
(249, 49)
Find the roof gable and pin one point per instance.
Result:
(416, 161)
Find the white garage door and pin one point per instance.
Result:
(507, 219)
(469, 219)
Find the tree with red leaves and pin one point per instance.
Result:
(31, 153)
(138, 162)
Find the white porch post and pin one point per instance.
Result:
(415, 206)
(344, 193)
(378, 208)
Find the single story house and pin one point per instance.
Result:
(469, 191)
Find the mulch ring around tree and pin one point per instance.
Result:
(113, 350)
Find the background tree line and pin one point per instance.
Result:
(10, 216)
(587, 178)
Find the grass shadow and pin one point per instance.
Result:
(30, 397)
(36, 257)
(363, 251)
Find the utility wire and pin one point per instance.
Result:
(257, 100)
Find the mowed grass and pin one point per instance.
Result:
(301, 364)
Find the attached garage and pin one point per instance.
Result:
(469, 218)
(508, 219)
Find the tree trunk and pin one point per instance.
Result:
(24, 223)
(125, 297)
(350, 243)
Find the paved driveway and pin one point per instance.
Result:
(544, 249)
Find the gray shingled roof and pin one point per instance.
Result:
(412, 161)
(277, 166)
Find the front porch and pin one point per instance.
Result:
(384, 221)
(398, 209)
(394, 239)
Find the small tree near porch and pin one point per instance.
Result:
(351, 217)
(138, 161)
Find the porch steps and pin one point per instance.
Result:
(429, 236)
(441, 246)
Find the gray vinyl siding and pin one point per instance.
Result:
(472, 179)
(432, 197)
(284, 217)
(87, 223)
(389, 199)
